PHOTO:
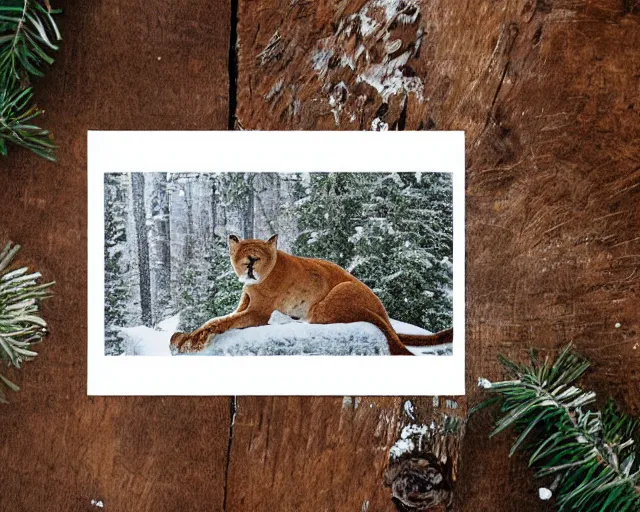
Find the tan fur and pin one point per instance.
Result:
(310, 289)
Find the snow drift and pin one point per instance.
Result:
(283, 336)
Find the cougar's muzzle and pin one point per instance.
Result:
(250, 273)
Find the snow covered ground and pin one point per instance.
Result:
(283, 336)
(145, 341)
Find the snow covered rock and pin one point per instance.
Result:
(283, 336)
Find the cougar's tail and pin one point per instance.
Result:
(426, 340)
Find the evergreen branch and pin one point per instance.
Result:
(592, 454)
(28, 33)
(21, 327)
(15, 114)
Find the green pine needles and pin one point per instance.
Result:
(28, 35)
(21, 326)
(592, 454)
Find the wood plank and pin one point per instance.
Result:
(553, 213)
(548, 95)
(311, 453)
(123, 65)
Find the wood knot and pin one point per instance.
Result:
(419, 484)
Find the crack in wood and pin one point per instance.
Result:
(631, 7)
(233, 66)
(495, 96)
(233, 407)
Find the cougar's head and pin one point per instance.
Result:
(253, 260)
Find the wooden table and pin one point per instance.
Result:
(548, 93)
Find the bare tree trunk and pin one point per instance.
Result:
(162, 269)
(140, 217)
(188, 245)
(248, 214)
(214, 205)
(224, 215)
(266, 188)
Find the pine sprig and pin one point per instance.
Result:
(28, 34)
(21, 326)
(592, 454)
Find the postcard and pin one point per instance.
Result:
(276, 263)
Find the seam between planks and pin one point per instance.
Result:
(233, 65)
(233, 405)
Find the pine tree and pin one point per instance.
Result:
(403, 248)
(191, 292)
(191, 300)
(116, 289)
(392, 231)
(209, 287)
(329, 207)
(236, 193)
(224, 289)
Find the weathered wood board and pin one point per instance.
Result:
(549, 95)
(121, 66)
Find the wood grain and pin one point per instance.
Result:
(296, 453)
(122, 65)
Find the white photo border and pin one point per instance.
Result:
(246, 151)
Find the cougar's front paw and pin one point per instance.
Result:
(183, 343)
(178, 340)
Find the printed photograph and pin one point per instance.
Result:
(277, 264)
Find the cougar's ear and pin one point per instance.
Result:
(233, 240)
(273, 241)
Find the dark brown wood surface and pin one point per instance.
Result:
(548, 93)
(123, 65)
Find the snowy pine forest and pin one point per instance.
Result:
(166, 237)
